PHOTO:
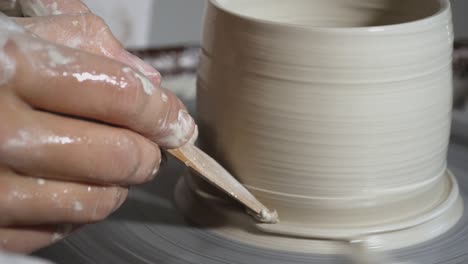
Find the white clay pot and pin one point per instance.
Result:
(335, 113)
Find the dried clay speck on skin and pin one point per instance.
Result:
(7, 64)
(75, 42)
(78, 206)
(39, 8)
(18, 195)
(146, 84)
(41, 181)
(178, 129)
(26, 138)
(56, 58)
(164, 97)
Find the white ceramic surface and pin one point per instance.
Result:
(230, 221)
(336, 113)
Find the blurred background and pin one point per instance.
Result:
(167, 34)
(152, 23)
(163, 23)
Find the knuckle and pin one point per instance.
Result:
(107, 206)
(157, 165)
(151, 169)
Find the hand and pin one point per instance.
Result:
(77, 127)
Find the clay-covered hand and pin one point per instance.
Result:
(79, 124)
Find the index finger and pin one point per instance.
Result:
(71, 82)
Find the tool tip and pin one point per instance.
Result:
(267, 216)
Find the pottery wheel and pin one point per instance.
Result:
(149, 229)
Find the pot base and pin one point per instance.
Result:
(229, 221)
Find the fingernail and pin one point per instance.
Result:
(180, 131)
(62, 232)
(155, 169)
(121, 197)
(150, 159)
(186, 123)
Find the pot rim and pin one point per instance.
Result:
(444, 11)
